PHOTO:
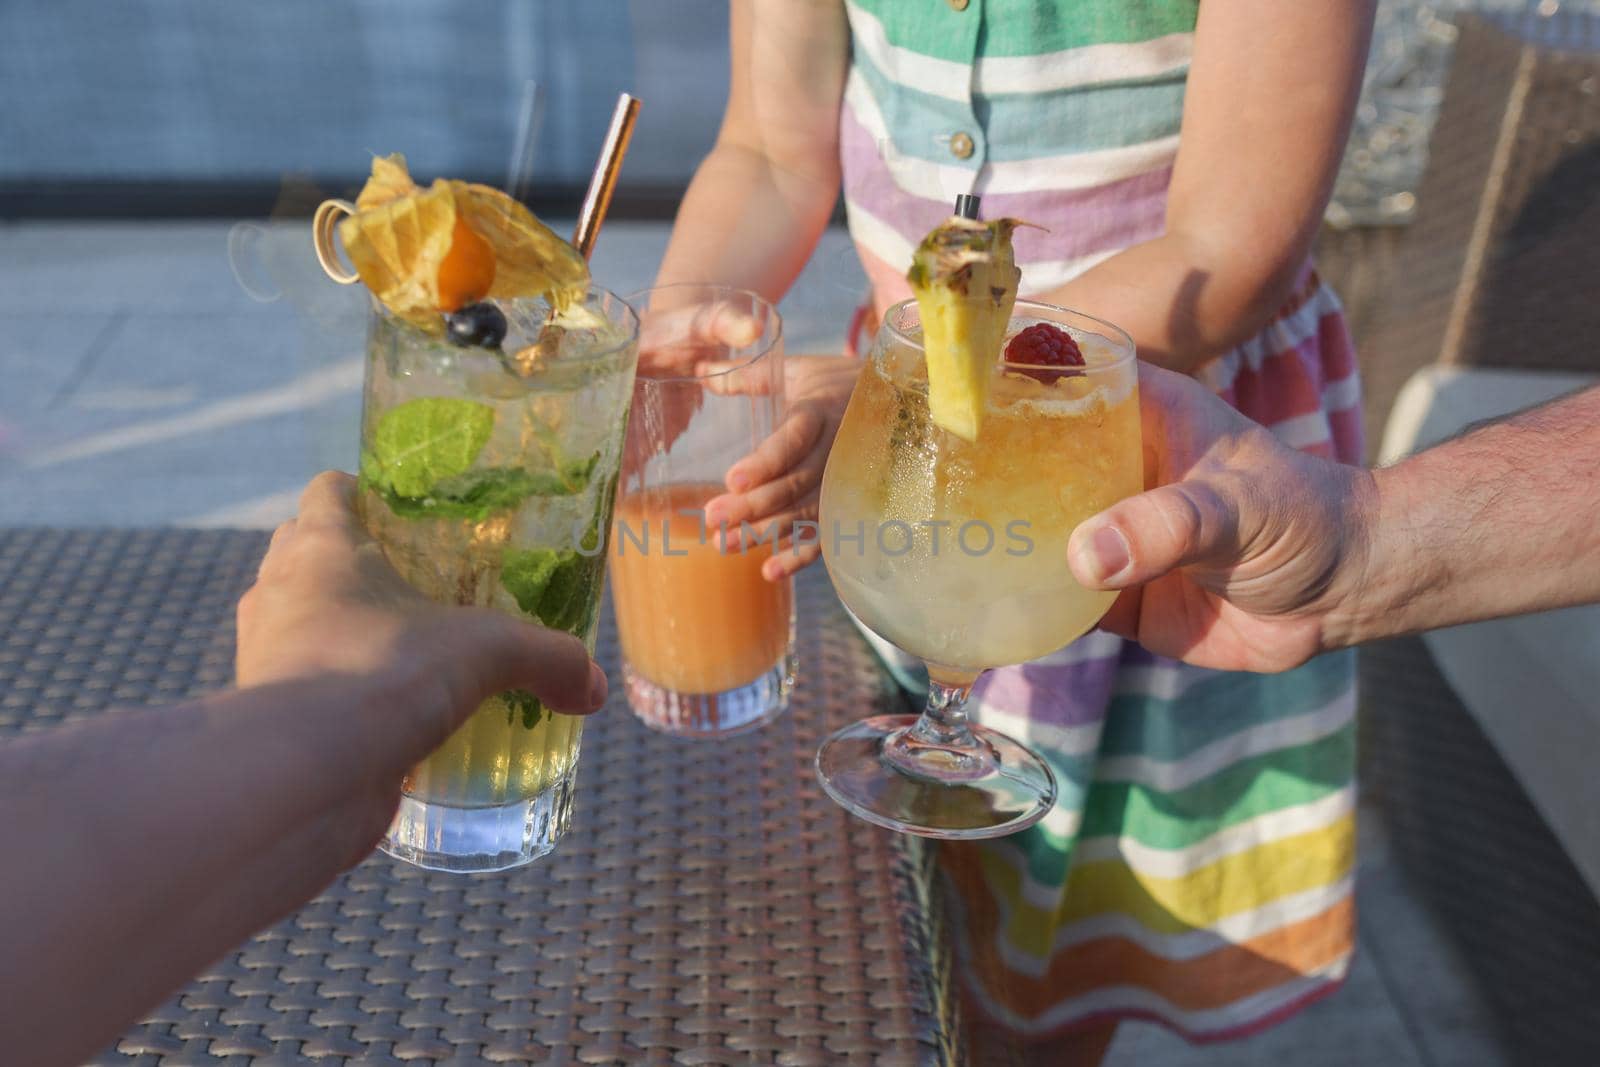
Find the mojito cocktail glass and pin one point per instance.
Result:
(956, 551)
(488, 475)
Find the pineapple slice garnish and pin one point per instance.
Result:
(965, 279)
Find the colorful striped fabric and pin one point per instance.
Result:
(1072, 121)
(1198, 868)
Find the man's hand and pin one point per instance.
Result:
(234, 808)
(1242, 545)
(326, 602)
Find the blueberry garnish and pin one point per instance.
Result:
(480, 325)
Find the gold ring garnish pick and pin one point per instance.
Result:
(328, 215)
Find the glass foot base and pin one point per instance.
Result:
(708, 715)
(871, 770)
(474, 840)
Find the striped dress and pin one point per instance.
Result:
(1197, 869)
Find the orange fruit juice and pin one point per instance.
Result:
(692, 617)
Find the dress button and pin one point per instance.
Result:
(961, 146)
(958, 5)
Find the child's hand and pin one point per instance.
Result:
(685, 341)
(780, 480)
(675, 340)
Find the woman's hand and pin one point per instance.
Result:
(779, 482)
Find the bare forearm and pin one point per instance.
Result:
(1181, 305)
(760, 200)
(1500, 521)
(137, 854)
(747, 223)
(1267, 108)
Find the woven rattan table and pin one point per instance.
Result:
(710, 906)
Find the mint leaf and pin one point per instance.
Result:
(475, 495)
(527, 573)
(560, 589)
(566, 601)
(371, 472)
(425, 441)
(497, 488)
(523, 703)
(575, 473)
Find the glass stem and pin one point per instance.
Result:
(944, 718)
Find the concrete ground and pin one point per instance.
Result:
(198, 374)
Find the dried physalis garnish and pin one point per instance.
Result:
(427, 252)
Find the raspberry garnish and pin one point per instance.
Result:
(1044, 345)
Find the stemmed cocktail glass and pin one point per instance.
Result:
(955, 551)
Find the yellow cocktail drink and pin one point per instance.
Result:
(945, 529)
(489, 489)
(961, 553)
(495, 400)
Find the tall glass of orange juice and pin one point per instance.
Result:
(707, 642)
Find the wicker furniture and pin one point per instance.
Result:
(1501, 269)
(710, 905)
(1501, 265)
